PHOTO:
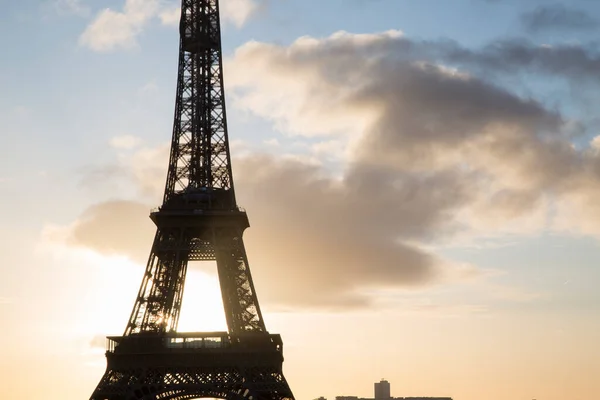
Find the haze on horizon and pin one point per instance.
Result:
(420, 177)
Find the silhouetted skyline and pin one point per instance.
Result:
(382, 391)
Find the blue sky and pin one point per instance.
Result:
(449, 144)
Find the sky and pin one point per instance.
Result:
(420, 177)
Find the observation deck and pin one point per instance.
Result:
(200, 208)
(199, 218)
(195, 349)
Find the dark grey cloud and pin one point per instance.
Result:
(314, 242)
(512, 55)
(573, 62)
(115, 227)
(430, 117)
(437, 106)
(558, 17)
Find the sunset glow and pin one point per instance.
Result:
(421, 179)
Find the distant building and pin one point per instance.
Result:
(382, 390)
(421, 398)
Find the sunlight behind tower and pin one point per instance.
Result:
(202, 308)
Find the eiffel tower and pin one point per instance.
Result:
(199, 220)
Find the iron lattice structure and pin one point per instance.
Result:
(198, 220)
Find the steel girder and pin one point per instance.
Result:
(179, 383)
(200, 147)
(158, 304)
(199, 163)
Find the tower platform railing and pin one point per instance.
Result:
(192, 341)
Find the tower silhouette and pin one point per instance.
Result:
(199, 220)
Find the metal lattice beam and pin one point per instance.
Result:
(199, 161)
(200, 147)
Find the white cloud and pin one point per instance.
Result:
(238, 11)
(170, 17)
(112, 30)
(76, 7)
(595, 143)
(299, 108)
(125, 142)
(272, 142)
(421, 118)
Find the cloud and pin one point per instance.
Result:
(557, 17)
(76, 7)
(235, 11)
(570, 61)
(111, 30)
(114, 228)
(146, 166)
(308, 234)
(432, 152)
(506, 57)
(125, 142)
(238, 11)
(298, 109)
(415, 116)
(335, 238)
(171, 16)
